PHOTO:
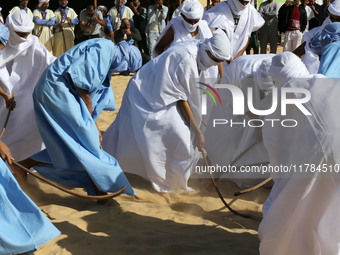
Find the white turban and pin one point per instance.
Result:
(334, 8)
(218, 45)
(42, 1)
(236, 7)
(102, 7)
(0, 9)
(19, 22)
(280, 69)
(192, 9)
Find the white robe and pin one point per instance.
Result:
(301, 215)
(224, 143)
(21, 65)
(44, 33)
(181, 34)
(63, 39)
(150, 137)
(17, 9)
(221, 16)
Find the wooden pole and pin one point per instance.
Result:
(95, 4)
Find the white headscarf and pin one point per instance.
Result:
(19, 22)
(102, 7)
(334, 8)
(0, 9)
(236, 7)
(42, 1)
(278, 70)
(192, 9)
(218, 45)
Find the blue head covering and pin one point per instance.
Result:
(132, 58)
(330, 60)
(330, 34)
(4, 34)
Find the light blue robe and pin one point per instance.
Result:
(68, 130)
(23, 227)
(329, 63)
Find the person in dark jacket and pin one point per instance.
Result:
(292, 22)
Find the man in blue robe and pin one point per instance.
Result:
(23, 227)
(68, 99)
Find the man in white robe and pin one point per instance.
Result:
(238, 19)
(151, 135)
(300, 216)
(65, 21)
(43, 28)
(21, 64)
(22, 7)
(187, 26)
(304, 51)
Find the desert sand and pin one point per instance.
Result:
(175, 223)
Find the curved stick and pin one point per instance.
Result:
(218, 190)
(252, 188)
(101, 197)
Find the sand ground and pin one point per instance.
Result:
(175, 223)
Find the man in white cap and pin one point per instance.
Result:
(151, 135)
(115, 15)
(238, 19)
(187, 26)
(22, 7)
(65, 20)
(304, 50)
(44, 20)
(21, 64)
(157, 14)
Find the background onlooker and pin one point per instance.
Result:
(157, 14)
(213, 3)
(116, 14)
(22, 7)
(269, 11)
(292, 22)
(140, 21)
(323, 11)
(65, 20)
(91, 21)
(43, 24)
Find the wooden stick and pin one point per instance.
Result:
(6, 121)
(95, 4)
(252, 188)
(204, 153)
(101, 197)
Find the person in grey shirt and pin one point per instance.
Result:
(91, 21)
(269, 32)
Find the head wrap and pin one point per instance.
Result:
(116, 2)
(329, 63)
(280, 69)
(4, 34)
(102, 7)
(132, 58)
(236, 7)
(0, 9)
(334, 8)
(192, 9)
(42, 1)
(218, 45)
(330, 34)
(19, 22)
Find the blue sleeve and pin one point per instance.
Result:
(51, 22)
(38, 21)
(108, 23)
(132, 23)
(75, 21)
